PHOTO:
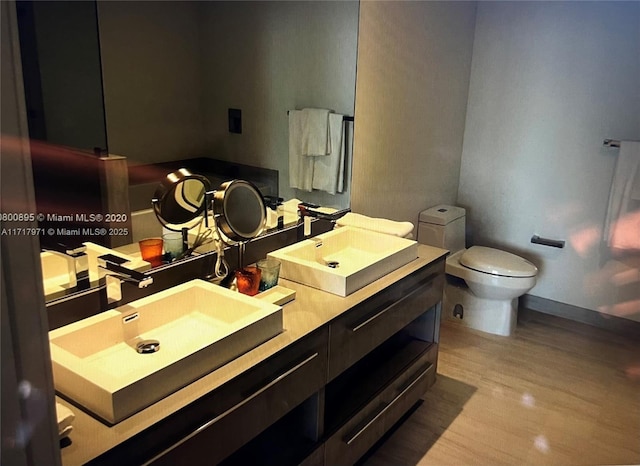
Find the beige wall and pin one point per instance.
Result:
(414, 60)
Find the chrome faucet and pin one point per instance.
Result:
(117, 274)
(77, 263)
(308, 211)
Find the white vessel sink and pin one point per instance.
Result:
(58, 276)
(199, 327)
(362, 257)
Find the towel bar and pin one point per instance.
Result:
(554, 243)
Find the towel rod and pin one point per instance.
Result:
(554, 243)
(611, 143)
(344, 117)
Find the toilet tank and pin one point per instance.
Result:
(442, 226)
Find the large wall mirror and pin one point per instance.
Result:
(156, 82)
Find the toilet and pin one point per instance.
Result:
(483, 284)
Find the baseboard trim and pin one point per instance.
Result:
(618, 325)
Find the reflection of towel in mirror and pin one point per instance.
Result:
(316, 139)
(328, 172)
(624, 198)
(300, 166)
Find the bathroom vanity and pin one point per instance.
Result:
(344, 370)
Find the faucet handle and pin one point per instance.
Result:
(110, 258)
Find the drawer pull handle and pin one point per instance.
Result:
(259, 391)
(380, 413)
(390, 304)
(255, 394)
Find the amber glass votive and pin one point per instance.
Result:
(151, 250)
(248, 280)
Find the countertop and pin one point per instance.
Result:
(310, 310)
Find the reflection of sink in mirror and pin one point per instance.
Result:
(344, 260)
(199, 326)
(58, 275)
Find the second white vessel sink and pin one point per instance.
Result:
(344, 260)
(198, 327)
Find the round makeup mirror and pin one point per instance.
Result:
(240, 213)
(240, 210)
(181, 200)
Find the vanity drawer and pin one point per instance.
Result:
(363, 328)
(369, 424)
(261, 397)
(316, 458)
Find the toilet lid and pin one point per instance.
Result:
(497, 262)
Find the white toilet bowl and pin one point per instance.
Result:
(493, 280)
(483, 284)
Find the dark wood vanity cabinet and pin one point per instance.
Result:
(258, 399)
(324, 399)
(363, 328)
(211, 428)
(397, 390)
(382, 357)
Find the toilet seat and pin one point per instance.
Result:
(496, 262)
(488, 285)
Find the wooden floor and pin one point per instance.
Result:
(557, 392)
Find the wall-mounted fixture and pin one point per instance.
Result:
(235, 120)
(554, 243)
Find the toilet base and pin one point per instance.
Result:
(498, 317)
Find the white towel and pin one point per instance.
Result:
(328, 172)
(381, 225)
(316, 140)
(625, 186)
(300, 167)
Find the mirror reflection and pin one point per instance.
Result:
(205, 82)
(190, 195)
(180, 199)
